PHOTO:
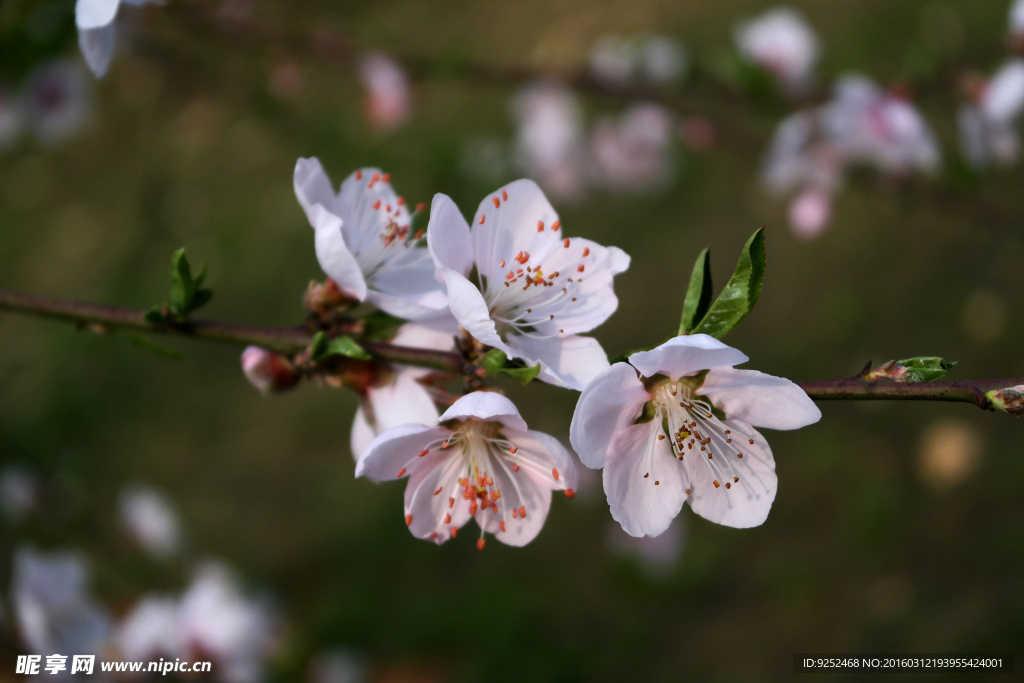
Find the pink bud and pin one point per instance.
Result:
(809, 213)
(268, 371)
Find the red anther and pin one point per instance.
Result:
(735, 478)
(556, 225)
(472, 507)
(504, 196)
(438, 490)
(424, 452)
(400, 201)
(480, 544)
(580, 269)
(515, 513)
(401, 472)
(497, 203)
(421, 207)
(509, 276)
(540, 226)
(494, 507)
(728, 485)
(359, 175)
(515, 467)
(451, 503)
(447, 518)
(715, 482)
(513, 449)
(570, 493)
(495, 495)
(502, 525)
(502, 264)
(445, 445)
(455, 531)
(586, 252)
(376, 176)
(565, 243)
(419, 234)
(408, 520)
(554, 473)
(376, 204)
(387, 177)
(522, 511)
(481, 481)
(490, 482)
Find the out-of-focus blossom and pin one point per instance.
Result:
(781, 42)
(12, 119)
(536, 291)
(212, 620)
(58, 101)
(872, 126)
(398, 398)
(479, 461)
(810, 211)
(1017, 19)
(53, 609)
(338, 665)
(949, 453)
(988, 132)
(269, 372)
(656, 556)
(654, 59)
(684, 452)
(549, 144)
(19, 491)
(95, 20)
(388, 95)
(149, 518)
(633, 153)
(365, 244)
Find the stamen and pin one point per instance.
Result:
(570, 493)
(401, 472)
(480, 544)
(408, 520)
(496, 201)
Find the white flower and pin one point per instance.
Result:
(988, 126)
(781, 42)
(662, 60)
(19, 491)
(151, 521)
(151, 629)
(810, 212)
(684, 452)
(549, 138)
(53, 609)
(95, 20)
(869, 125)
(388, 97)
(479, 461)
(398, 398)
(364, 242)
(538, 290)
(657, 59)
(1017, 18)
(633, 152)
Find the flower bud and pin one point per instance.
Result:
(1009, 400)
(323, 297)
(268, 371)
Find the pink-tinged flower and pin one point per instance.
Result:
(549, 138)
(536, 289)
(152, 522)
(781, 42)
(268, 371)
(656, 59)
(364, 241)
(388, 96)
(1017, 19)
(810, 211)
(480, 461)
(661, 443)
(988, 125)
(633, 152)
(95, 21)
(398, 398)
(869, 125)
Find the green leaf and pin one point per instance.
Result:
(918, 369)
(740, 294)
(379, 326)
(200, 299)
(346, 346)
(147, 344)
(155, 316)
(495, 362)
(698, 294)
(183, 288)
(318, 346)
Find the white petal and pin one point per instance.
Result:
(91, 14)
(97, 45)
(418, 304)
(433, 482)
(642, 507)
(760, 399)
(501, 232)
(448, 236)
(686, 355)
(357, 204)
(1004, 97)
(486, 406)
(334, 256)
(741, 504)
(362, 434)
(427, 335)
(570, 361)
(519, 490)
(396, 449)
(470, 309)
(558, 456)
(608, 405)
(312, 187)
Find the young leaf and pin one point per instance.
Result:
(495, 362)
(183, 287)
(346, 346)
(698, 294)
(740, 294)
(318, 346)
(523, 375)
(918, 369)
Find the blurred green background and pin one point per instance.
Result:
(875, 542)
